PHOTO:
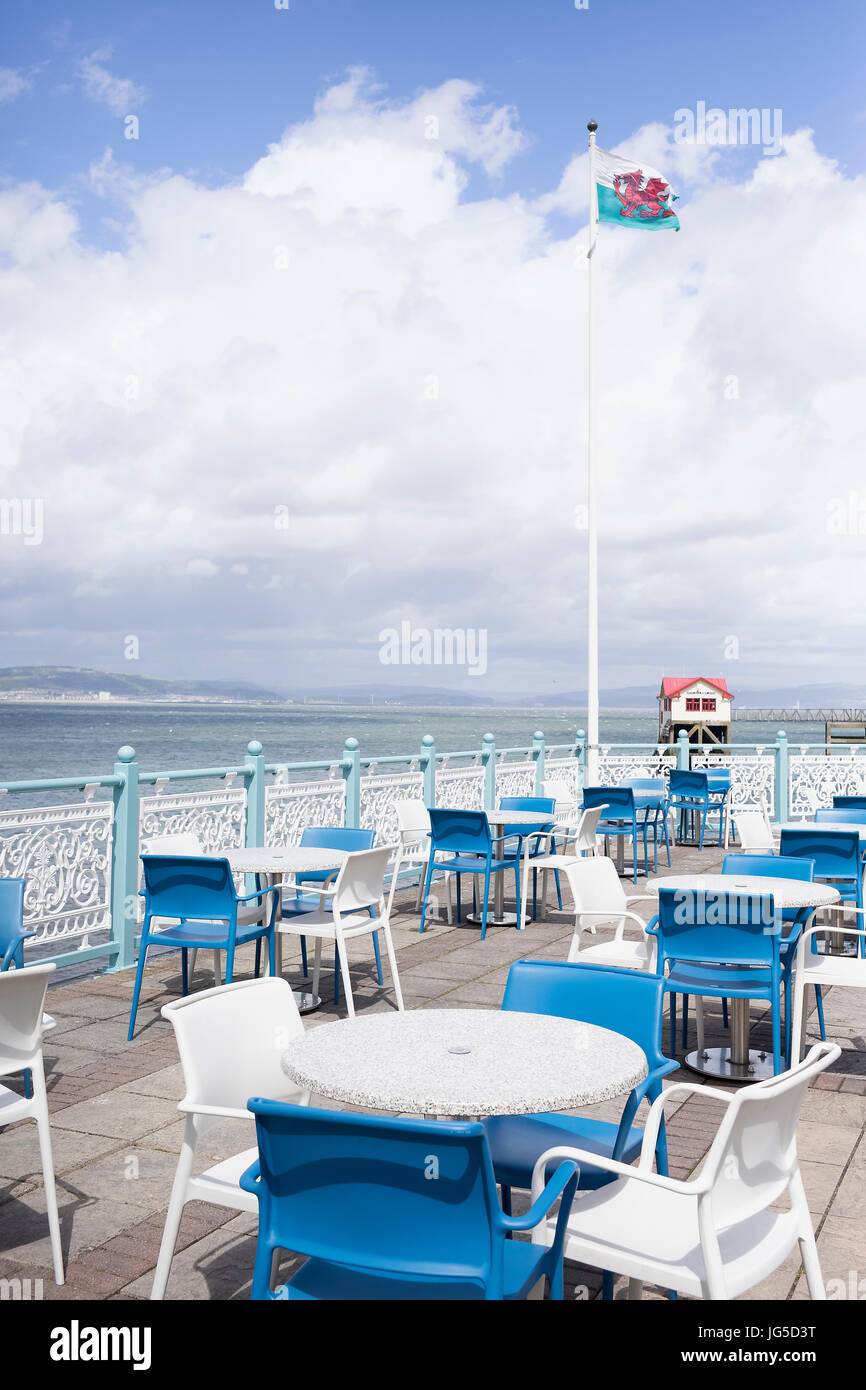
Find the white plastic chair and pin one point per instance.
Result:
(230, 1042)
(413, 847)
(564, 798)
(358, 886)
(580, 842)
(599, 898)
(716, 1235)
(753, 828)
(849, 972)
(185, 842)
(22, 1000)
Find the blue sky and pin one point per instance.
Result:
(225, 77)
(286, 371)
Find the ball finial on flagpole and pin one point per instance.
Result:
(592, 126)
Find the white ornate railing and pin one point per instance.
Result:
(615, 767)
(379, 792)
(460, 787)
(565, 770)
(753, 778)
(515, 779)
(289, 806)
(216, 818)
(816, 779)
(64, 854)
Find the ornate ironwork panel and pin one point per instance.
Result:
(379, 792)
(816, 779)
(461, 788)
(753, 777)
(64, 853)
(289, 806)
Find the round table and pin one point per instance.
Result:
(497, 820)
(834, 826)
(468, 1062)
(737, 1062)
(271, 864)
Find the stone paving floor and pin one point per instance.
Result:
(116, 1130)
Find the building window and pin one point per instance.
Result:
(693, 703)
(709, 705)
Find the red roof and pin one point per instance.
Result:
(674, 685)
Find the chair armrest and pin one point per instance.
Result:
(611, 1165)
(654, 1119)
(566, 1174)
(251, 1178)
(259, 893)
(821, 930)
(607, 915)
(640, 897)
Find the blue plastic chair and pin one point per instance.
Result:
(626, 1001)
(467, 837)
(720, 946)
(689, 794)
(841, 815)
(836, 854)
(538, 839)
(297, 902)
(843, 802)
(622, 818)
(12, 933)
(774, 866)
(659, 822)
(392, 1209)
(201, 894)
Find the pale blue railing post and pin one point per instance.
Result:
(124, 860)
(580, 754)
(254, 830)
(683, 750)
(488, 762)
(538, 755)
(428, 768)
(352, 775)
(783, 790)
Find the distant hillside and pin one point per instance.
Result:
(75, 680)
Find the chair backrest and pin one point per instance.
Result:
(360, 882)
(562, 793)
(231, 1040)
(625, 1001)
(584, 836)
(619, 800)
(768, 866)
(688, 784)
(753, 828)
(384, 1195)
(858, 801)
(184, 842)
(644, 784)
(836, 852)
(753, 1157)
(413, 819)
(842, 815)
(337, 837)
(187, 886)
(460, 831)
(22, 999)
(11, 922)
(710, 927)
(595, 886)
(527, 803)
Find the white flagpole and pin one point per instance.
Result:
(592, 534)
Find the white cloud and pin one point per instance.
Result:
(343, 334)
(120, 94)
(13, 81)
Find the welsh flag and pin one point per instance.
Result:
(632, 194)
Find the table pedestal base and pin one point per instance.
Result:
(306, 1001)
(474, 919)
(716, 1062)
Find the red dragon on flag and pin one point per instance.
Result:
(642, 197)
